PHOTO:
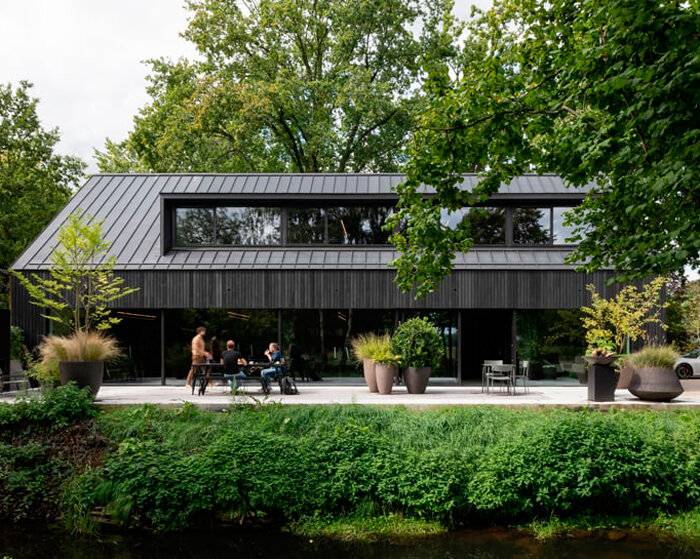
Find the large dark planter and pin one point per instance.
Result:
(385, 377)
(626, 374)
(658, 384)
(84, 373)
(370, 374)
(416, 379)
(602, 382)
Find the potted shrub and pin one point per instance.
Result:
(362, 347)
(386, 364)
(418, 342)
(654, 378)
(75, 297)
(615, 322)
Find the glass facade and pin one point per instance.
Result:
(532, 226)
(561, 232)
(356, 225)
(227, 226)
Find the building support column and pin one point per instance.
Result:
(513, 336)
(459, 347)
(279, 328)
(162, 347)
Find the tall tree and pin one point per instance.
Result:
(35, 182)
(302, 85)
(603, 91)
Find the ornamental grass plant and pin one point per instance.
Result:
(655, 356)
(363, 345)
(79, 346)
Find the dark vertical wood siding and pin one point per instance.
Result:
(372, 289)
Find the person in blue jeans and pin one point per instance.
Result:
(273, 353)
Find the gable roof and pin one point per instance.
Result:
(130, 206)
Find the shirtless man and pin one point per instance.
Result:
(198, 352)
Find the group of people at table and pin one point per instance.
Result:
(230, 358)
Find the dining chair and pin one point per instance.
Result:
(522, 373)
(500, 374)
(485, 369)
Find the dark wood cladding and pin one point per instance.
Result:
(368, 289)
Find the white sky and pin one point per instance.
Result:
(85, 59)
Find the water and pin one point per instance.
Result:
(27, 543)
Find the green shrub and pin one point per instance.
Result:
(418, 342)
(55, 408)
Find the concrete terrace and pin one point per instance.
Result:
(353, 391)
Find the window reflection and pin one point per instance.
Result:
(248, 226)
(306, 226)
(561, 231)
(487, 225)
(357, 226)
(531, 225)
(194, 226)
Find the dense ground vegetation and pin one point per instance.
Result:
(313, 466)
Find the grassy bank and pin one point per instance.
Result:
(350, 471)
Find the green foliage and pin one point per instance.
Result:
(16, 342)
(683, 316)
(81, 283)
(610, 322)
(381, 351)
(654, 356)
(588, 462)
(304, 86)
(418, 342)
(340, 466)
(596, 91)
(55, 408)
(35, 182)
(336, 464)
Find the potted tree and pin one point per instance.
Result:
(418, 342)
(386, 364)
(654, 378)
(75, 297)
(612, 324)
(362, 347)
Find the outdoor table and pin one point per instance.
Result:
(204, 372)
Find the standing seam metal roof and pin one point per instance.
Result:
(129, 204)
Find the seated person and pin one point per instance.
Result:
(231, 360)
(273, 353)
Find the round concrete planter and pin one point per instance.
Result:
(658, 384)
(84, 373)
(416, 379)
(385, 377)
(370, 374)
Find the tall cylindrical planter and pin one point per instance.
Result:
(370, 374)
(416, 379)
(84, 373)
(385, 377)
(658, 384)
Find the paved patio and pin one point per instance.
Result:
(353, 391)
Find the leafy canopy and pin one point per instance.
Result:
(35, 182)
(304, 85)
(596, 91)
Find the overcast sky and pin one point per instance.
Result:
(85, 59)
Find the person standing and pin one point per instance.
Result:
(199, 353)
